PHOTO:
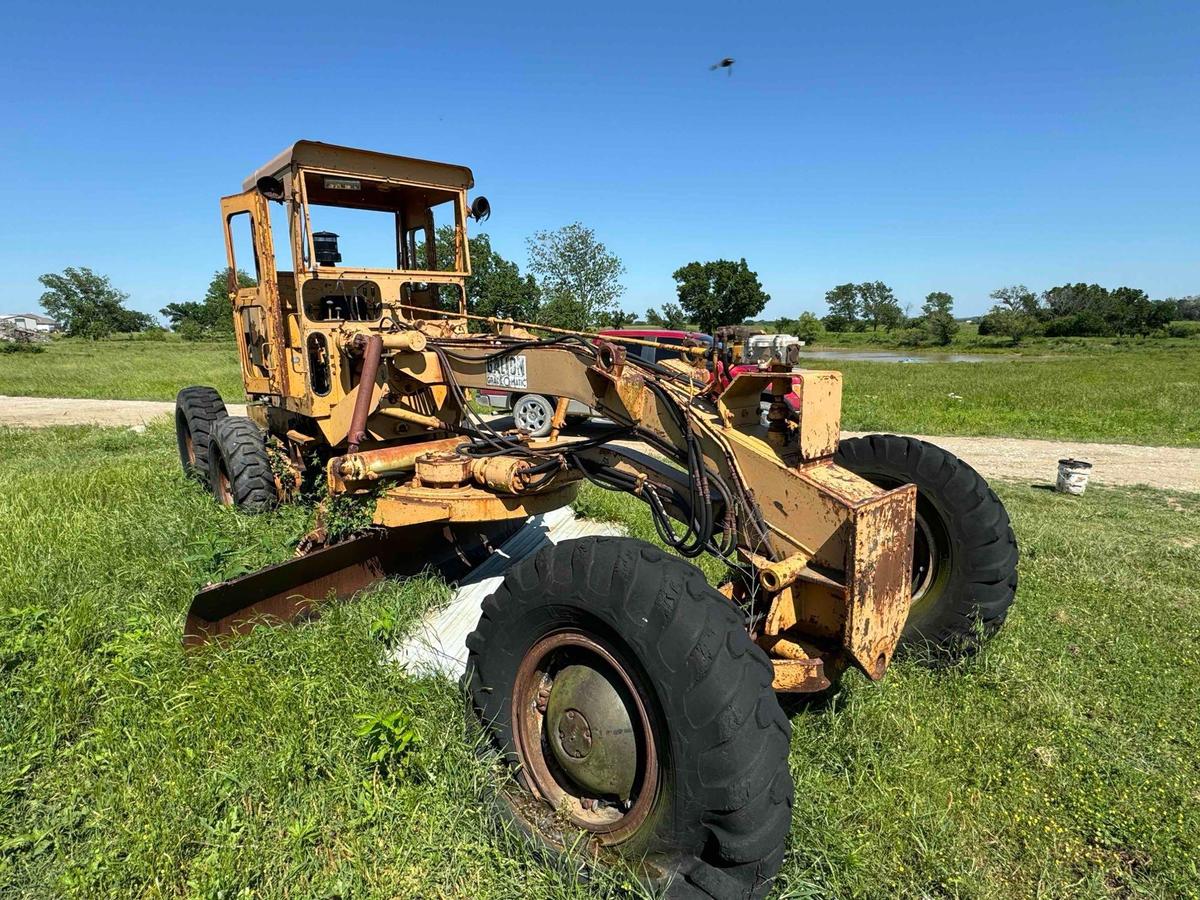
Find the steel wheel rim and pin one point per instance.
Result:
(531, 416)
(605, 817)
(224, 490)
(183, 436)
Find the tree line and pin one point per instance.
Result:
(1069, 310)
(873, 304)
(574, 281)
(1081, 310)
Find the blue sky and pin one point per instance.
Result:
(949, 146)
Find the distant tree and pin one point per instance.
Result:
(496, 286)
(1017, 314)
(1068, 299)
(844, 308)
(1007, 323)
(879, 306)
(719, 292)
(191, 330)
(782, 325)
(672, 317)
(939, 317)
(186, 312)
(619, 319)
(213, 314)
(1019, 299)
(1089, 309)
(580, 280)
(1131, 311)
(1188, 308)
(86, 304)
(807, 327)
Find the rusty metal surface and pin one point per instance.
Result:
(799, 676)
(411, 504)
(880, 578)
(371, 356)
(370, 465)
(352, 161)
(444, 469)
(776, 575)
(532, 701)
(504, 474)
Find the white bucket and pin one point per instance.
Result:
(1072, 476)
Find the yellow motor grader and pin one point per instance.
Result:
(630, 698)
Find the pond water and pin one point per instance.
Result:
(900, 356)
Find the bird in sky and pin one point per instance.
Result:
(726, 63)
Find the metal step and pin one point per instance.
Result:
(439, 643)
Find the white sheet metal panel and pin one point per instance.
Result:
(439, 644)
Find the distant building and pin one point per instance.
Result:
(28, 322)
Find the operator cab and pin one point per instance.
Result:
(332, 235)
(370, 235)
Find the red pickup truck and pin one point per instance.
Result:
(533, 412)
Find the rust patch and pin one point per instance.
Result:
(880, 585)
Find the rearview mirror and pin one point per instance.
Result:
(480, 209)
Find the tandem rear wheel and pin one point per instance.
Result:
(227, 454)
(239, 469)
(197, 412)
(628, 701)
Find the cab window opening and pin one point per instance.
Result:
(360, 223)
(241, 243)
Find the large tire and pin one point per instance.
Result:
(964, 554)
(533, 413)
(197, 411)
(239, 469)
(710, 805)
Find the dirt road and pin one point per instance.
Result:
(39, 412)
(1015, 459)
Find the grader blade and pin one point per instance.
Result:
(298, 588)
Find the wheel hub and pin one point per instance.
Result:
(575, 734)
(583, 736)
(531, 417)
(591, 732)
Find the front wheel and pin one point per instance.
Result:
(964, 576)
(629, 699)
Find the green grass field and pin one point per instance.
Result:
(1133, 397)
(121, 369)
(1062, 762)
(968, 340)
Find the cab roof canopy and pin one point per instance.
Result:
(365, 164)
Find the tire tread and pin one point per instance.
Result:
(239, 443)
